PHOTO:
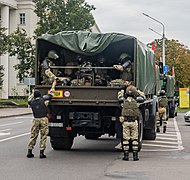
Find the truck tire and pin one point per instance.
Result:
(92, 136)
(61, 143)
(150, 134)
(172, 113)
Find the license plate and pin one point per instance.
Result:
(55, 124)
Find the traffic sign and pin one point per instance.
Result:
(166, 69)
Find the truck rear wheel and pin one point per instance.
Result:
(61, 143)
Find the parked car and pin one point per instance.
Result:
(187, 116)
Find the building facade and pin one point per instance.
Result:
(17, 13)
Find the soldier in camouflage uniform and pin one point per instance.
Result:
(129, 119)
(40, 121)
(48, 75)
(125, 67)
(161, 114)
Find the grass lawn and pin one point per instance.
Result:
(19, 102)
(183, 110)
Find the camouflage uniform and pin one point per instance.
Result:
(129, 116)
(161, 114)
(129, 119)
(49, 75)
(40, 124)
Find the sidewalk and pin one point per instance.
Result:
(9, 112)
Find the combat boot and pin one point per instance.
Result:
(135, 156)
(42, 155)
(126, 156)
(30, 155)
(164, 129)
(158, 129)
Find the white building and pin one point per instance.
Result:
(17, 13)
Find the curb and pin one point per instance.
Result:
(14, 115)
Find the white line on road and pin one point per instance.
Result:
(4, 134)
(180, 145)
(14, 137)
(166, 134)
(159, 145)
(163, 138)
(11, 123)
(163, 142)
(169, 136)
(5, 130)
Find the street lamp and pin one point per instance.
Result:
(163, 37)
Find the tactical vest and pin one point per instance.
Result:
(130, 108)
(163, 102)
(39, 108)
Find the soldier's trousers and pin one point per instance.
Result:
(130, 132)
(161, 116)
(39, 125)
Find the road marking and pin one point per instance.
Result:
(14, 137)
(4, 134)
(163, 142)
(163, 138)
(5, 130)
(169, 141)
(159, 145)
(11, 124)
(180, 145)
(166, 134)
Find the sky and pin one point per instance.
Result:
(125, 16)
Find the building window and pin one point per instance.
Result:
(22, 18)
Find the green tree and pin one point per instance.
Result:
(58, 15)
(177, 55)
(21, 46)
(3, 40)
(3, 48)
(1, 76)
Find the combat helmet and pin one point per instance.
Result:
(52, 54)
(131, 90)
(37, 93)
(162, 92)
(123, 57)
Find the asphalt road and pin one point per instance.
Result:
(168, 157)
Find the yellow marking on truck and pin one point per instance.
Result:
(57, 94)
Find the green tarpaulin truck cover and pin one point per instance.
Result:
(88, 43)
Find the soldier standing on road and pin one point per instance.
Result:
(161, 115)
(129, 119)
(40, 121)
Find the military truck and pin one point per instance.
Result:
(169, 87)
(92, 109)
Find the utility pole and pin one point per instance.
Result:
(163, 37)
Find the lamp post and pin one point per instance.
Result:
(163, 37)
